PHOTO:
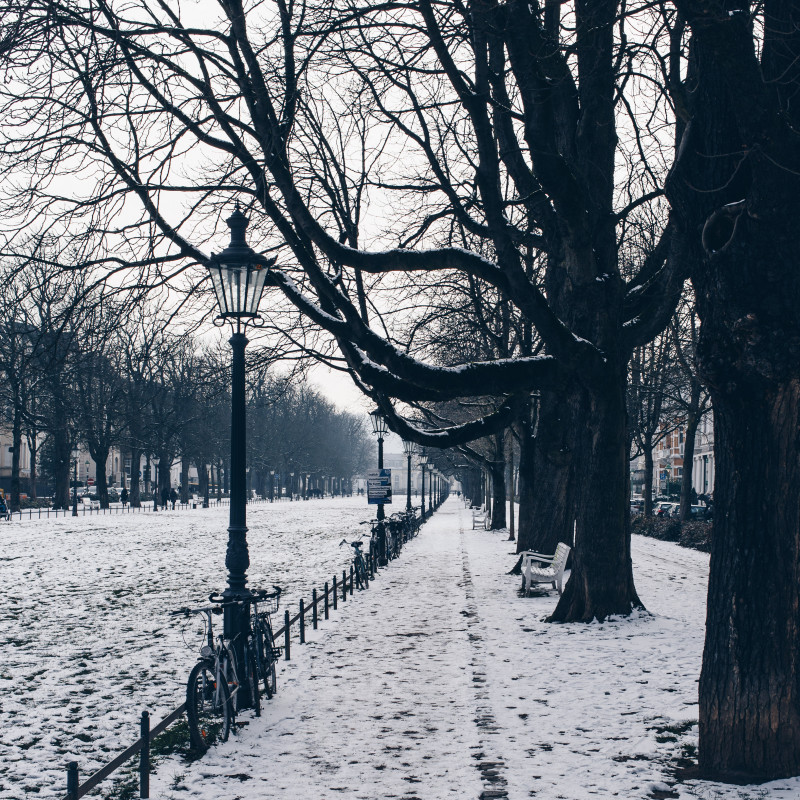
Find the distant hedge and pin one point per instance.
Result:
(696, 534)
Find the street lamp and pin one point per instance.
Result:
(271, 485)
(409, 448)
(74, 481)
(380, 428)
(423, 460)
(238, 274)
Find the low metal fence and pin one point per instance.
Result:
(118, 508)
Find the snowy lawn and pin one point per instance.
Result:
(85, 636)
(440, 681)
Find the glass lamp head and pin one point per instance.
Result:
(238, 273)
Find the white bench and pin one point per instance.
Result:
(539, 568)
(480, 518)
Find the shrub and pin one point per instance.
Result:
(695, 534)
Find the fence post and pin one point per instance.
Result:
(72, 780)
(287, 643)
(144, 757)
(351, 580)
(326, 600)
(314, 609)
(302, 622)
(344, 585)
(335, 593)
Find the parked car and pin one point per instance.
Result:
(667, 509)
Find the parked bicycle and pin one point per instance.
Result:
(263, 638)
(210, 708)
(214, 682)
(359, 564)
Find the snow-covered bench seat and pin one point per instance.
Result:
(539, 568)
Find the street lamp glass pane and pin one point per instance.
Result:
(257, 278)
(219, 287)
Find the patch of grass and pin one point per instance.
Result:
(174, 740)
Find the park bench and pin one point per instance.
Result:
(539, 568)
(480, 518)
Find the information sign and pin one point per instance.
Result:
(379, 487)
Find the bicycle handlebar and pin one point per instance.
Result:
(255, 594)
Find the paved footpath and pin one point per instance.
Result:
(440, 681)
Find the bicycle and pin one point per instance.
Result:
(359, 565)
(209, 704)
(213, 684)
(263, 638)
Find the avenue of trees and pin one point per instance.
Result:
(80, 368)
(553, 172)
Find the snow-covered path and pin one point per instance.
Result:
(440, 681)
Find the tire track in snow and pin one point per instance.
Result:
(489, 763)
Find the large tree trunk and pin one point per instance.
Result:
(546, 507)
(601, 581)
(511, 484)
(736, 180)
(692, 422)
(62, 467)
(184, 479)
(750, 682)
(16, 443)
(33, 449)
(136, 467)
(100, 457)
(498, 472)
(647, 488)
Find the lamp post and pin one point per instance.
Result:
(238, 274)
(379, 428)
(74, 481)
(423, 460)
(271, 485)
(409, 448)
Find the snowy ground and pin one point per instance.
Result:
(441, 682)
(85, 637)
(438, 682)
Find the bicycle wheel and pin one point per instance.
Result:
(253, 677)
(361, 573)
(268, 671)
(208, 707)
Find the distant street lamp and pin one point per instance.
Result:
(271, 485)
(238, 274)
(380, 428)
(423, 460)
(74, 481)
(409, 448)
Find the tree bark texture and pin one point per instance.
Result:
(647, 489)
(736, 192)
(601, 581)
(135, 488)
(547, 512)
(692, 422)
(498, 472)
